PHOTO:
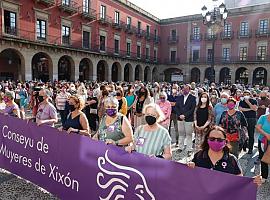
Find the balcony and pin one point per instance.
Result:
(70, 8)
(66, 40)
(89, 14)
(227, 35)
(173, 39)
(262, 33)
(140, 33)
(196, 37)
(46, 2)
(244, 34)
(156, 39)
(11, 30)
(129, 29)
(104, 20)
(175, 61)
(210, 37)
(118, 25)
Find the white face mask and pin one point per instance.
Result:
(204, 100)
(174, 91)
(247, 97)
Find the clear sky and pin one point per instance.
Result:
(172, 8)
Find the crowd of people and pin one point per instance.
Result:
(216, 122)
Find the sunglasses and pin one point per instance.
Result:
(212, 139)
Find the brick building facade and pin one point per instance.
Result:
(116, 40)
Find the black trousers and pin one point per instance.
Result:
(251, 130)
(264, 166)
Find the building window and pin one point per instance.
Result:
(196, 33)
(195, 55)
(243, 53)
(155, 55)
(10, 22)
(129, 22)
(128, 48)
(156, 34)
(227, 30)
(244, 29)
(139, 27)
(65, 35)
(147, 30)
(86, 6)
(210, 33)
(226, 54)
(116, 17)
(209, 55)
(261, 54)
(173, 56)
(116, 46)
(66, 2)
(147, 53)
(138, 51)
(86, 40)
(41, 29)
(173, 34)
(263, 26)
(102, 12)
(102, 43)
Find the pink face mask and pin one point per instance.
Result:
(231, 106)
(6, 99)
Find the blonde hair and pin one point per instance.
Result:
(78, 100)
(157, 110)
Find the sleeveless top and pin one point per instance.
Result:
(113, 131)
(72, 123)
(9, 110)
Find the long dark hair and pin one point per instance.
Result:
(200, 102)
(205, 145)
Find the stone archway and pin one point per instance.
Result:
(128, 72)
(225, 76)
(241, 75)
(66, 68)
(86, 70)
(12, 65)
(173, 75)
(42, 67)
(147, 74)
(138, 73)
(209, 74)
(155, 77)
(102, 71)
(116, 72)
(195, 75)
(259, 76)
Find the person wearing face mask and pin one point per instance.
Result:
(203, 117)
(232, 121)
(114, 127)
(76, 121)
(46, 112)
(130, 97)
(263, 104)
(152, 139)
(11, 108)
(156, 91)
(60, 102)
(220, 107)
(215, 155)
(249, 107)
(185, 106)
(166, 108)
(122, 102)
(91, 110)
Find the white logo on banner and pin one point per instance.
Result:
(119, 181)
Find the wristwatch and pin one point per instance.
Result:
(78, 131)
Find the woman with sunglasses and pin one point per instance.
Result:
(166, 108)
(215, 155)
(11, 108)
(152, 139)
(114, 127)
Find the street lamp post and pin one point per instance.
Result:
(214, 18)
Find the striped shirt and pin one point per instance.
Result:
(151, 142)
(61, 99)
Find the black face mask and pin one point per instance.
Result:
(118, 94)
(263, 98)
(150, 120)
(72, 108)
(40, 98)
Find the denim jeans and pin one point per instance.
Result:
(251, 129)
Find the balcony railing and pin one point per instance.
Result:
(231, 60)
(46, 2)
(140, 33)
(89, 14)
(71, 7)
(148, 36)
(11, 30)
(210, 37)
(104, 20)
(173, 39)
(118, 25)
(244, 34)
(196, 37)
(130, 29)
(262, 33)
(175, 61)
(227, 35)
(156, 39)
(65, 40)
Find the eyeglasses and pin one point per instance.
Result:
(212, 139)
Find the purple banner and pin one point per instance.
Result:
(76, 167)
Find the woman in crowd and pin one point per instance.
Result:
(76, 121)
(23, 93)
(156, 91)
(221, 107)
(130, 97)
(166, 109)
(82, 91)
(91, 111)
(232, 121)
(263, 127)
(152, 139)
(142, 100)
(101, 107)
(203, 117)
(215, 155)
(114, 127)
(11, 107)
(122, 102)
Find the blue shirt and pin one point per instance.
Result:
(265, 125)
(172, 98)
(218, 110)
